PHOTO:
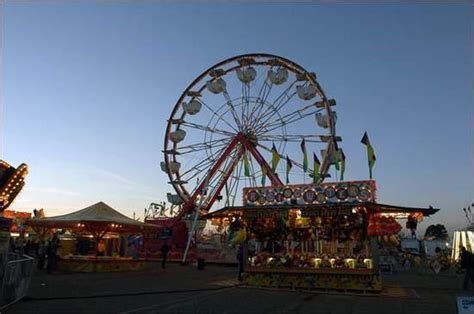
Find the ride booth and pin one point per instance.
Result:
(314, 237)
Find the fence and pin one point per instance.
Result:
(17, 274)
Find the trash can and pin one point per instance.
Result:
(201, 263)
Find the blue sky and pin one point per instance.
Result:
(88, 87)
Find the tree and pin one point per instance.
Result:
(436, 232)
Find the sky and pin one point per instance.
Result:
(87, 88)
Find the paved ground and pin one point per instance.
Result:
(184, 289)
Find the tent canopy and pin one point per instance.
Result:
(97, 215)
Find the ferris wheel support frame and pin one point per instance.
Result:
(246, 146)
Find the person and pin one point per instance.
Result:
(467, 263)
(41, 254)
(101, 248)
(165, 248)
(52, 252)
(240, 259)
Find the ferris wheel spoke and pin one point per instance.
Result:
(232, 109)
(196, 170)
(202, 146)
(289, 118)
(280, 102)
(206, 128)
(261, 100)
(293, 138)
(220, 116)
(234, 184)
(245, 102)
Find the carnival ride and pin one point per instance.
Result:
(12, 181)
(230, 120)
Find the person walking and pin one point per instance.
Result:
(164, 254)
(467, 261)
(41, 254)
(52, 252)
(240, 259)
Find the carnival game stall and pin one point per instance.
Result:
(314, 236)
(97, 239)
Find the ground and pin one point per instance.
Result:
(184, 289)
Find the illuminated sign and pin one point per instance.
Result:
(303, 194)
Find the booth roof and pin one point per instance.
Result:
(374, 207)
(97, 213)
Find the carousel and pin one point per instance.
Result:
(96, 238)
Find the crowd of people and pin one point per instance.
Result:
(46, 251)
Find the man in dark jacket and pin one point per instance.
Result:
(240, 259)
(164, 254)
(467, 262)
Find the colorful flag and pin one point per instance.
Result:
(335, 158)
(289, 165)
(275, 158)
(305, 155)
(370, 152)
(316, 165)
(343, 164)
(246, 165)
(264, 175)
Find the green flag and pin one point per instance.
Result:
(335, 158)
(264, 175)
(370, 152)
(289, 165)
(316, 165)
(305, 155)
(343, 164)
(246, 165)
(275, 158)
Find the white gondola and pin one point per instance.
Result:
(279, 77)
(306, 92)
(192, 107)
(177, 136)
(323, 121)
(163, 166)
(174, 166)
(216, 86)
(246, 75)
(174, 199)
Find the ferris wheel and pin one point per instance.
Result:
(250, 120)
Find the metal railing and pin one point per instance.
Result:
(17, 274)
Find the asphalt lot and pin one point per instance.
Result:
(184, 289)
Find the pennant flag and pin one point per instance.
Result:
(246, 165)
(316, 165)
(343, 164)
(370, 152)
(264, 175)
(275, 158)
(305, 155)
(289, 165)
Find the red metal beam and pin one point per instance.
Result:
(226, 176)
(274, 179)
(190, 204)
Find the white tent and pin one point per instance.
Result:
(463, 238)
